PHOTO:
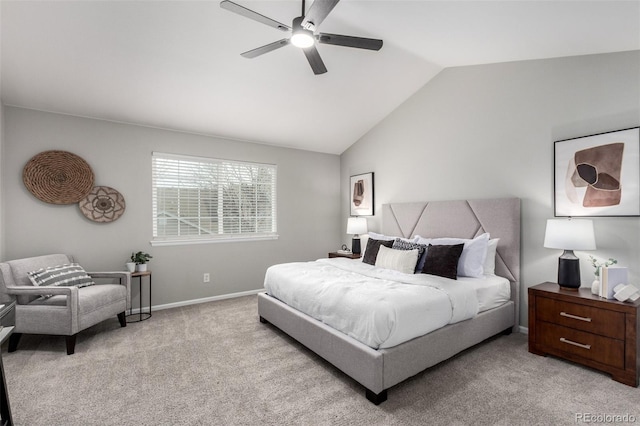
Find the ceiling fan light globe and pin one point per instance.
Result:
(302, 39)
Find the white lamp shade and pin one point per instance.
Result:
(570, 234)
(357, 225)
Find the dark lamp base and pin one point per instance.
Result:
(569, 273)
(355, 246)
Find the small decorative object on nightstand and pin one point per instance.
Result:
(584, 328)
(595, 286)
(344, 254)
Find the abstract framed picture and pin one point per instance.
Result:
(598, 175)
(361, 195)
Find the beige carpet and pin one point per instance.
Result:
(215, 364)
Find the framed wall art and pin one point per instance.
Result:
(361, 195)
(598, 175)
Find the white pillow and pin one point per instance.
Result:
(382, 237)
(364, 240)
(474, 253)
(490, 262)
(399, 260)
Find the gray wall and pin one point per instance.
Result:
(120, 155)
(488, 131)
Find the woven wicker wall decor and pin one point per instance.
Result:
(58, 177)
(103, 204)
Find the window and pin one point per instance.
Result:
(199, 199)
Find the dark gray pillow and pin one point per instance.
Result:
(443, 260)
(400, 244)
(371, 253)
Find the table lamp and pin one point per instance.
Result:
(569, 235)
(356, 226)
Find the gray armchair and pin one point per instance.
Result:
(69, 310)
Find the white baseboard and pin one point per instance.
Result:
(524, 330)
(197, 301)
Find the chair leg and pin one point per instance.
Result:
(71, 344)
(13, 341)
(123, 319)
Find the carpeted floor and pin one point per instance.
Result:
(216, 364)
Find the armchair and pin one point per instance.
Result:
(69, 310)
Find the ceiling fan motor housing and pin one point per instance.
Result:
(301, 37)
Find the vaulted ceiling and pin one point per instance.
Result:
(177, 64)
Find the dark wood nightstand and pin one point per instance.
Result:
(349, 255)
(587, 329)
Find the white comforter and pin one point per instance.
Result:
(378, 307)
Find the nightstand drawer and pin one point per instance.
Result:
(593, 320)
(586, 345)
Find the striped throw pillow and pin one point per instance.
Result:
(66, 275)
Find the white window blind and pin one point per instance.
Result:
(198, 199)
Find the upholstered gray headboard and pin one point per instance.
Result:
(464, 219)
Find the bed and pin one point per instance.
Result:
(380, 369)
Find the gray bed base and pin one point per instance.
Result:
(378, 370)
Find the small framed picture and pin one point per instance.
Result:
(361, 195)
(598, 175)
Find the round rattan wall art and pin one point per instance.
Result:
(58, 177)
(103, 204)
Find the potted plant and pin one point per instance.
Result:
(131, 266)
(140, 259)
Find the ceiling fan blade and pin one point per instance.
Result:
(349, 41)
(266, 48)
(317, 12)
(315, 60)
(248, 13)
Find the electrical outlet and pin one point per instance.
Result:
(206, 278)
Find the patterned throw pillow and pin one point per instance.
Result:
(66, 275)
(400, 244)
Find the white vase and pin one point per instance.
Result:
(141, 267)
(595, 287)
(131, 266)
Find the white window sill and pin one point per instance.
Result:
(226, 239)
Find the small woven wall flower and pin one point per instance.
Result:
(103, 204)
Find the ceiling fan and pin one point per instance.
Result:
(303, 32)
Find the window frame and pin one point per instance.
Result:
(214, 237)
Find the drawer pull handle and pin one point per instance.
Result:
(580, 345)
(564, 314)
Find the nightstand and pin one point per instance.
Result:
(348, 255)
(586, 329)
